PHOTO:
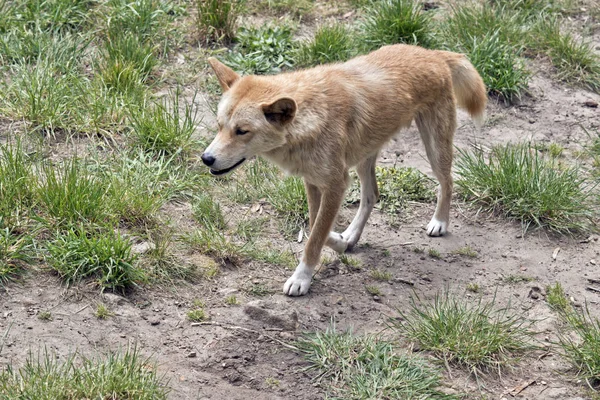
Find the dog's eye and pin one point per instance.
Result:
(239, 131)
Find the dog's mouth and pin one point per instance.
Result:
(226, 170)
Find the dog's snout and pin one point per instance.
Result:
(207, 159)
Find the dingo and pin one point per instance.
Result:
(319, 122)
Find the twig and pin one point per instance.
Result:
(241, 328)
(593, 280)
(81, 309)
(593, 289)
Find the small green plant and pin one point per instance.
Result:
(45, 316)
(516, 279)
(418, 249)
(216, 18)
(519, 183)
(259, 290)
(582, 350)
(197, 312)
(232, 300)
(350, 261)
(208, 212)
(264, 50)
(396, 21)
(473, 288)
(104, 256)
(272, 382)
(364, 367)
(214, 243)
(473, 335)
(249, 229)
(380, 275)
(556, 298)
(434, 253)
(332, 43)
(373, 290)
(166, 126)
(15, 253)
(466, 251)
(102, 312)
(116, 375)
(17, 183)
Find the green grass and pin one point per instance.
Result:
(332, 43)
(104, 257)
(166, 126)
(396, 21)
(574, 58)
(516, 279)
(70, 194)
(521, 184)
(17, 183)
(434, 253)
(214, 243)
(373, 290)
(353, 367)
(466, 251)
(45, 316)
(476, 336)
(208, 212)
(264, 50)
(45, 376)
(197, 312)
(258, 290)
(102, 312)
(581, 347)
(216, 18)
(232, 300)
(556, 298)
(350, 261)
(16, 251)
(473, 288)
(380, 275)
(296, 8)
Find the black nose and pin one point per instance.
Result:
(208, 160)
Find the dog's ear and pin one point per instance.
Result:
(225, 75)
(281, 111)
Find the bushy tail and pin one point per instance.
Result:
(469, 88)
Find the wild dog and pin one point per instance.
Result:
(319, 122)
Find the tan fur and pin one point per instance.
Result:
(318, 123)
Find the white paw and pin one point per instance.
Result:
(437, 227)
(298, 284)
(336, 242)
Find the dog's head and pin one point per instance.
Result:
(252, 120)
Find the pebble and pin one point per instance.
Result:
(191, 354)
(154, 322)
(591, 103)
(377, 298)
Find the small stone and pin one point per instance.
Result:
(591, 103)
(593, 262)
(377, 298)
(534, 295)
(154, 322)
(532, 121)
(191, 354)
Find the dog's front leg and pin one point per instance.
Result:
(299, 283)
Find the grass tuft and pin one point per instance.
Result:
(396, 21)
(473, 335)
(216, 18)
(332, 43)
(367, 367)
(104, 256)
(15, 253)
(118, 375)
(556, 298)
(521, 184)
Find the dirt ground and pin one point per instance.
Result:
(241, 352)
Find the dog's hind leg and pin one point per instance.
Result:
(437, 126)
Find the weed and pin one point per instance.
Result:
(434, 253)
(516, 181)
(573, 58)
(213, 242)
(272, 382)
(583, 350)
(516, 279)
(381, 275)
(466, 251)
(373, 290)
(396, 21)
(366, 367)
(350, 261)
(264, 50)
(102, 312)
(45, 316)
(258, 290)
(197, 315)
(476, 336)
(17, 181)
(418, 250)
(208, 212)
(297, 8)
(216, 18)
(556, 298)
(332, 43)
(71, 194)
(473, 288)
(166, 127)
(274, 256)
(105, 256)
(15, 252)
(250, 228)
(232, 300)
(115, 375)
(211, 271)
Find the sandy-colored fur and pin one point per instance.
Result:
(318, 123)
